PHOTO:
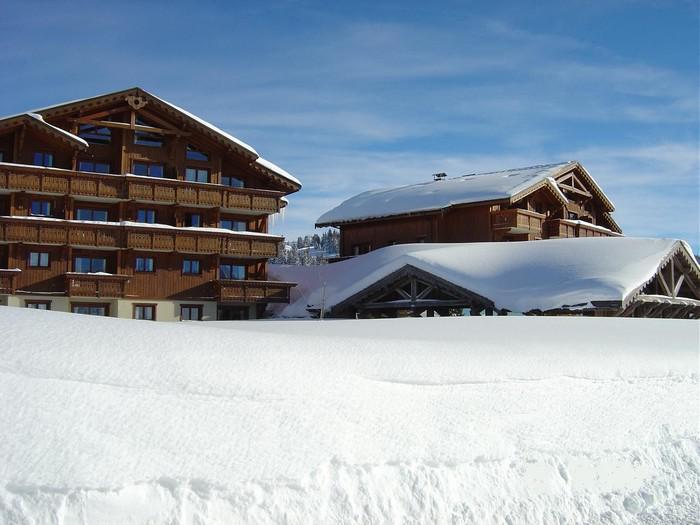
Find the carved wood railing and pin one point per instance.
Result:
(95, 285)
(569, 228)
(253, 291)
(517, 219)
(16, 229)
(38, 179)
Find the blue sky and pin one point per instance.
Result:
(350, 96)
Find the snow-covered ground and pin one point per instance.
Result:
(444, 420)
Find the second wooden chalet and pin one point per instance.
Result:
(536, 202)
(125, 205)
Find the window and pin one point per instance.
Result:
(95, 167)
(38, 305)
(145, 311)
(237, 226)
(90, 214)
(147, 138)
(95, 134)
(147, 216)
(194, 154)
(231, 271)
(190, 312)
(90, 309)
(573, 215)
(190, 267)
(90, 264)
(148, 170)
(234, 182)
(40, 208)
(144, 264)
(39, 259)
(196, 175)
(42, 158)
(193, 219)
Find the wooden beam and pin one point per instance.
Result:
(106, 113)
(124, 125)
(662, 281)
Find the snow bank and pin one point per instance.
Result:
(518, 276)
(505, 420)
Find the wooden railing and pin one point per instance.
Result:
(95, 285)
(566, 228)
(14, 229)
(253, 291)
(7, 280)
(524, 220)
(126, 187)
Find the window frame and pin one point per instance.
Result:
(100, 136)
(92, 212)
(92, 261)
(191, 261)
(152, 265)
(94, 165)
(231, 277)
(39, 259)
(198, 171)
(47, 202)
(136, 306)
(204, 157)
(35, 303)
(188, 220)
(44, 155)
(146, 210)
(149, 139)
(74, 305)
(231, 179)
(233, 221)
(149, 167)
(198, 307)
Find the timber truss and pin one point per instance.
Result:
(673, 291)
(412, 291)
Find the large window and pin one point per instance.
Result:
(40, 208)
(234, 182)
(90, 309)
(90, 264)
(196, 175)
(193, 220)
(95, 167)
(38, 305)
(145, 311)
(191, 267)
(194, 154)
(144, 264)
(231, 271)
(146, 215)
(146, 169)
(95, 134)
(146, 138)
(237, 226)
(191, 312)
(43, 158)
(38, 259)
(91, 214)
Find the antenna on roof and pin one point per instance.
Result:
(439, 176)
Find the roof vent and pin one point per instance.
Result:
(439, 176)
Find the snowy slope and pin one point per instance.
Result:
(518, 276)
(487, 420)
(434, 195)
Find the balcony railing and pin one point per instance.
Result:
(37, 179)
(571, 228)
(124, 236)
(517, 221)
(7, 280)
(95, 285)
(253, 291)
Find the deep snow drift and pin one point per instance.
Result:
(452, 420)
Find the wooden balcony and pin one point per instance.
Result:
(95, 285)
(253, 291)
(37, 179)
(7, 280)
(570, 228)
(516, 221)
(124, 236)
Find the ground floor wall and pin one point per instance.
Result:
(125, 308)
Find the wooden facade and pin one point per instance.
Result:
(576, 207)
(127, 199)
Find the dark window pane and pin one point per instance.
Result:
(193, 219)
(147, 216)
(101, 167)
(190, 266)
(94, 134)
(83, 214)
(82, 265)
(232, 181)
(156, 170)
(140, 169)
(40, 208)
(194, 154)
(237, 226)
(98, 265)
(144, 264)
(99, 215)
(85, 165)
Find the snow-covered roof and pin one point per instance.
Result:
(518, 276)
(276, 170)
(437, 195)
(56, 129)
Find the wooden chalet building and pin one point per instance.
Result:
(537, 202)
(126, 205)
